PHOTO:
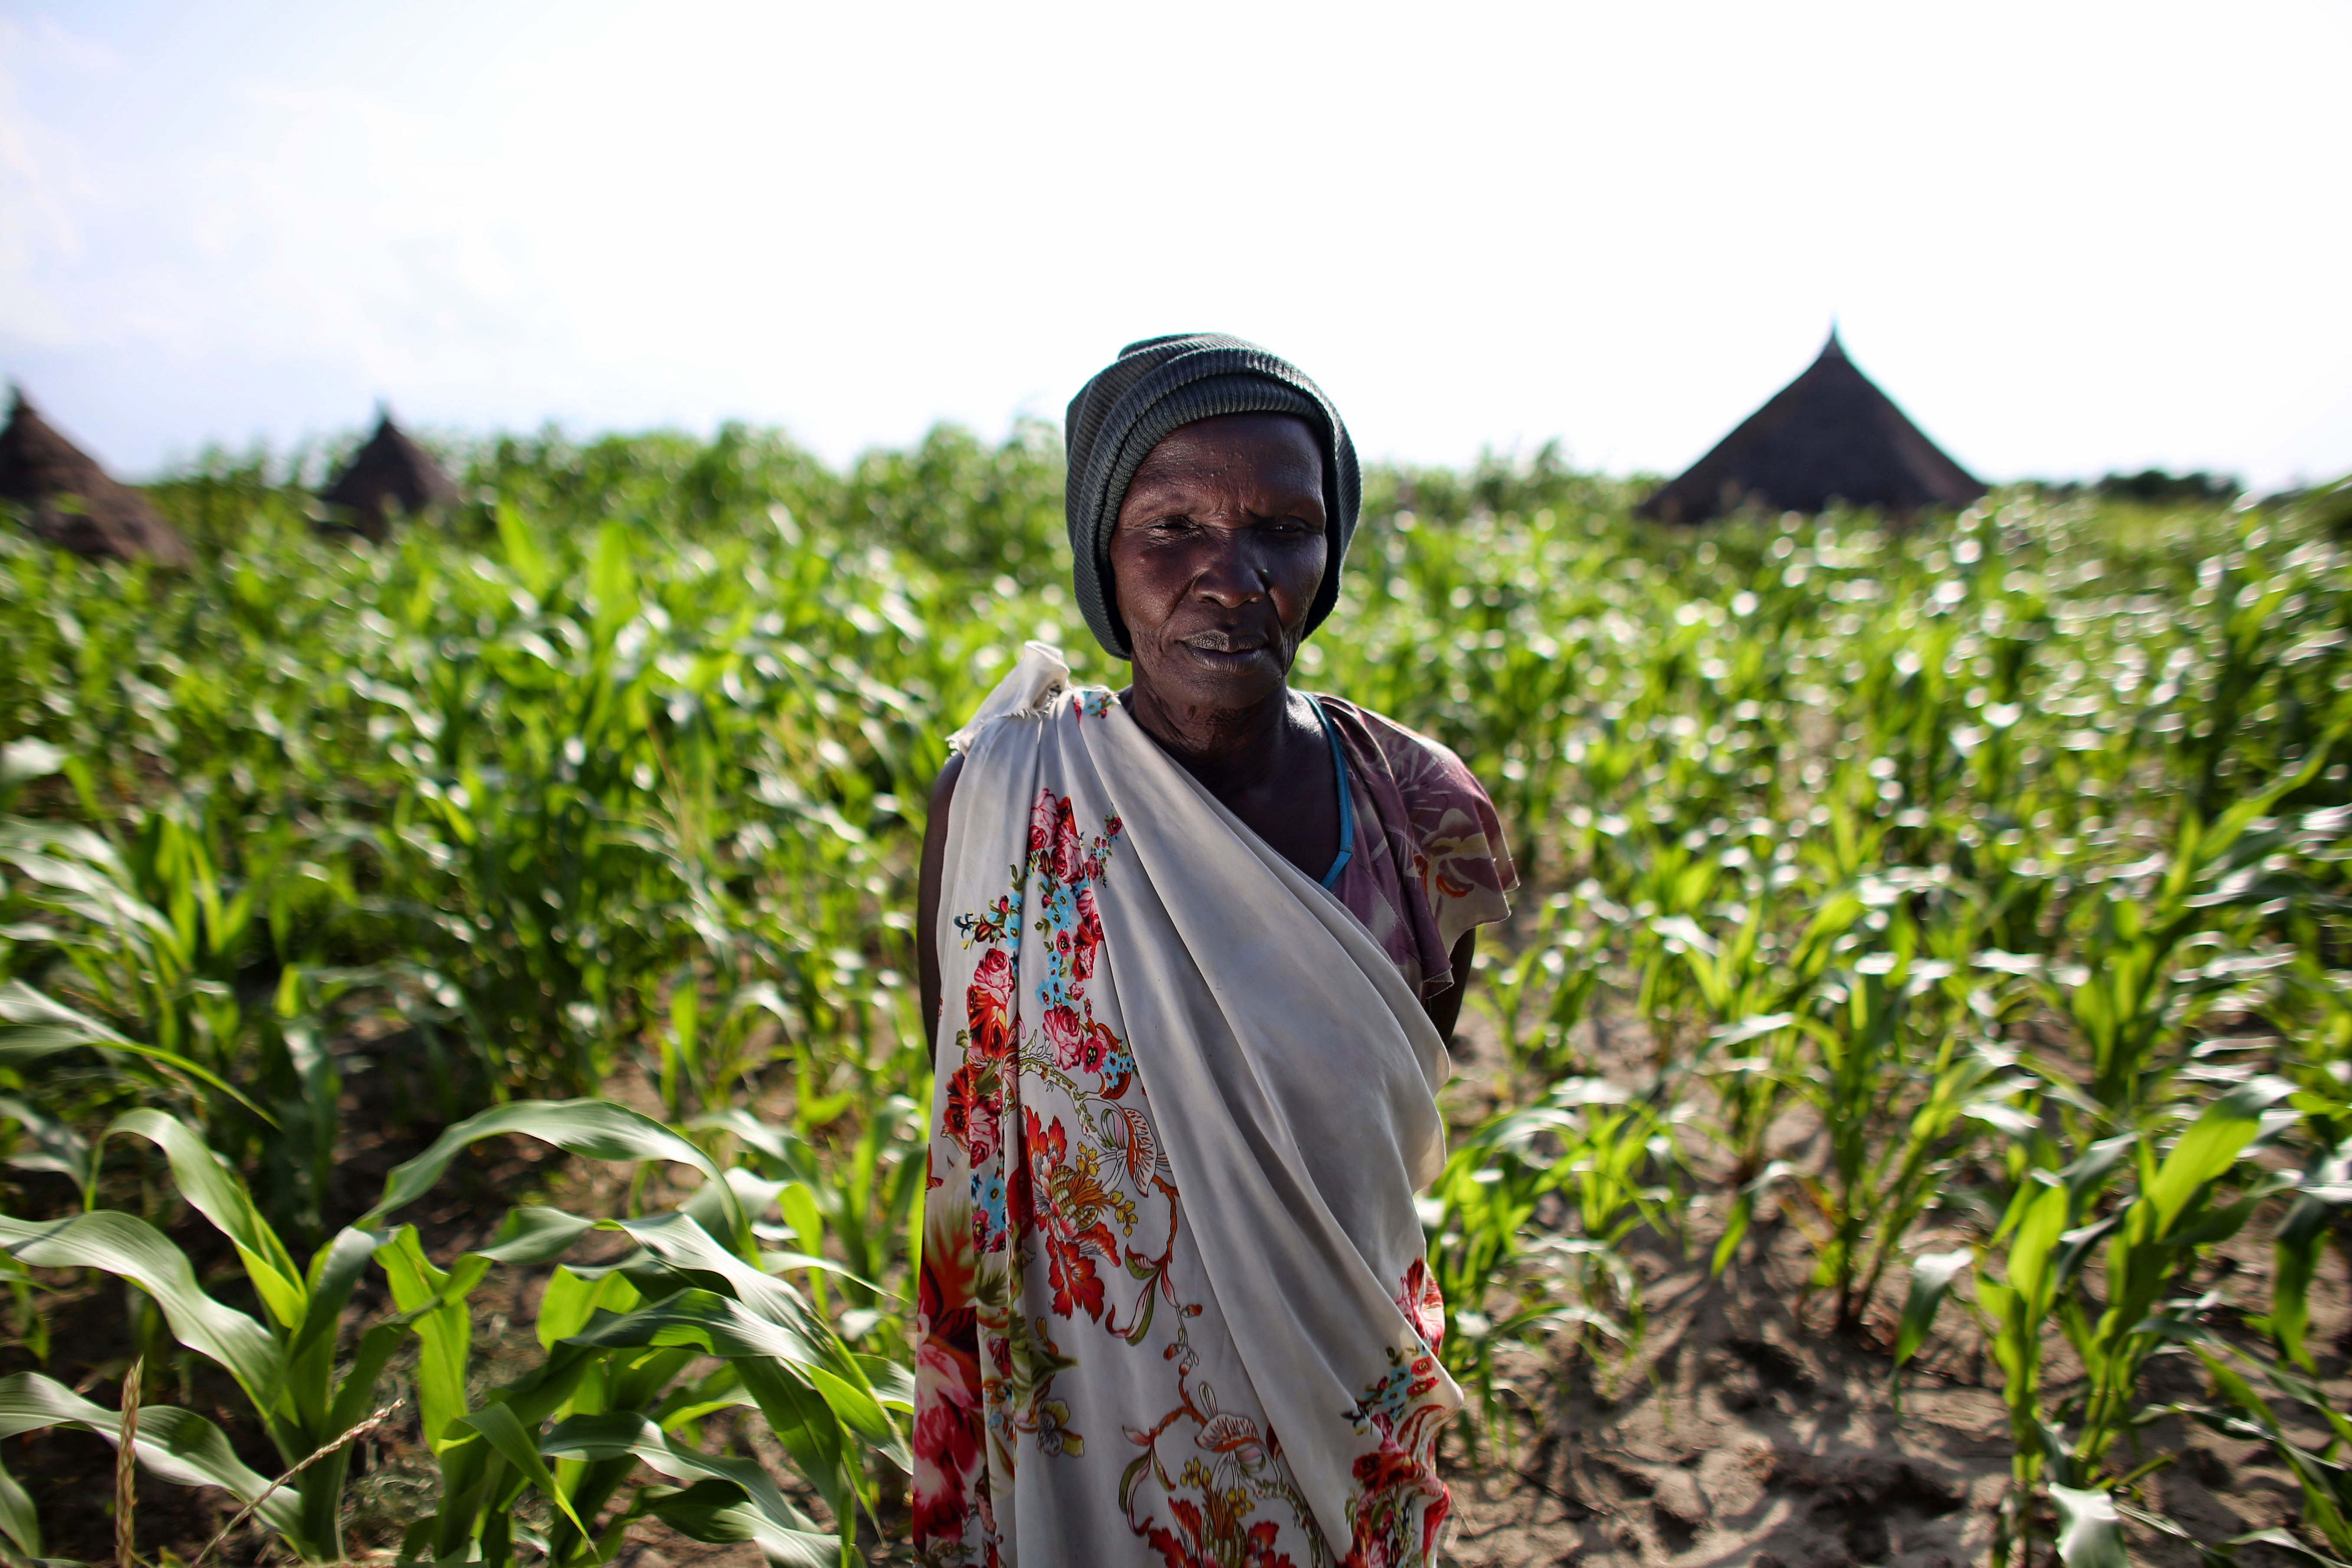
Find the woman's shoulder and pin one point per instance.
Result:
(1037, 688)
(1458, 837)
(1420, 765)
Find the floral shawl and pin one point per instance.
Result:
(1173, 1304)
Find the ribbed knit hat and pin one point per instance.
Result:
(1153, 387)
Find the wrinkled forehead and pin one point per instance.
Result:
(1268, 449)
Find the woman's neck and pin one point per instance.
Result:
(1229, 749)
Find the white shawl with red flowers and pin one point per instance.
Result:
(1173, 1302)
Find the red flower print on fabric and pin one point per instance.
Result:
(949, 1411)
(1423, 1304)
(1066, 1035)
(1089, 936)
(1213, 1537)
(1068, 1200)
(988, 1005)
(1054, 833)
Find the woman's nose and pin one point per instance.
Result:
(1234, 574)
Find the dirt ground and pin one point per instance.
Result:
(1742, 1434)
(1743, 1430)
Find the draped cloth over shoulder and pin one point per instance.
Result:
(1173, 1301)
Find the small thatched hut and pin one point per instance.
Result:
(72, 501)
(391, 475)
(1829, 435)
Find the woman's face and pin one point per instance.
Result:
(1216, 556)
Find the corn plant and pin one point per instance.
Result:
(619, 1341)
(2154, 1236)
(285, 1363)
(1595, 1155)
(1898, 1094)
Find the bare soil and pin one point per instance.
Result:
(1745, 1430)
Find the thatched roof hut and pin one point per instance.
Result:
(391, 475)
(1830, 434)
(73, 502)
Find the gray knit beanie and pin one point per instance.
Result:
(1151, 389)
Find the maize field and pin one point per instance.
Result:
(462, 1094)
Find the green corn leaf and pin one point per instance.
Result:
(679, 1241)
(1747, 1030)
(2206, 1227)
(533, 1233)
(855, 1405)
(773, 1262)
(505, 1433)
(28, 759)
(618, 1433)
(1743, 1213)
(753, 1194)
(443, 1329)
(797, 1201)
(177, 1446)
(2283, 1542)
(356, 1394)
(2090, 1531)
(810, 1432)
(597, 1129)
(704, 1320)
(19, 1520)
(711, 1510)
(2322, 1509)
(2211, 1146)
(33, 1026)
(2238, 1391)
(2038, 1232)
(1931, 1280)
(56, 1146)
(214, 1191)
(524, 558)
(2312, 1397)
(2076, 1245)
(129, 1247)
(335, 1271)
(2297, 1246)
(571, 1301)
(773, 1143)
(2086, 1177)
(893, 1381)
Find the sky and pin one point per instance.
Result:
(2066, 238)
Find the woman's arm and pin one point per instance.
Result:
(1445, 1009)
(927, 899)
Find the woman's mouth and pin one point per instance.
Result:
(1225, 650)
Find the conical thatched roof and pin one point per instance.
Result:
(1831, 433)
(73, 501)
(390, 475)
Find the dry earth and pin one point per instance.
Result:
(1745, 1431)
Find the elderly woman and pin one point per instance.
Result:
(1205, 939)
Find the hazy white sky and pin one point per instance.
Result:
(2066, 238)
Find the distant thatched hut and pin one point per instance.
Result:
(391, 475)
(73, 502)
(1829, 435)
